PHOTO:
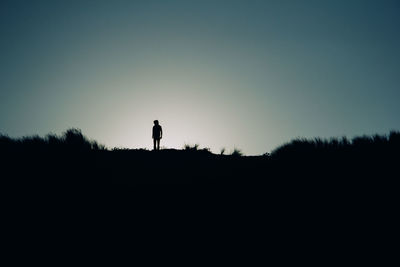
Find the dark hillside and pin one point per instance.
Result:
(72, 159)
(314, 195)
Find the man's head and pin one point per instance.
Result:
(156, 122)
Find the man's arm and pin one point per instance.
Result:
(160, 132)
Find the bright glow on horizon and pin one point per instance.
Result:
(187, 115)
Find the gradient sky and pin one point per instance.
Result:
(245, 74)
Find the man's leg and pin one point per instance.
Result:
(158, 144)
(154, 142)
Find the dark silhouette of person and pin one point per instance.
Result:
(157, 135)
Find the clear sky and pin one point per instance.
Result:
(245, 74)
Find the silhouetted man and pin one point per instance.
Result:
(157, 135)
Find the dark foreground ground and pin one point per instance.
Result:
(131, 167)
(308, 201)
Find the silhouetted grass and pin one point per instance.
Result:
(360, 146)
(72, 139)
(74, 158)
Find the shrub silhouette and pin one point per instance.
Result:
(236, 152)
(74, 139)
(188, 147)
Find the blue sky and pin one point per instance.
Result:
(245, 74)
